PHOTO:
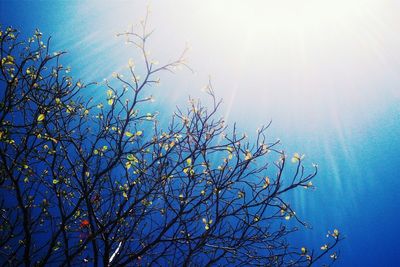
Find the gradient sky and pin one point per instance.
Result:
(327, 73)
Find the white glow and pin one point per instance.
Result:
(306, 62)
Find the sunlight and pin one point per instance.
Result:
(323, 54)
(308, 62)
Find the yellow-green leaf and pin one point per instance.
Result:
(109, 93)
(128, 165)
(131, 157)
(41, 117)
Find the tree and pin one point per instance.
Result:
(105, 184)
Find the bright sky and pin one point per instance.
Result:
(303, 62)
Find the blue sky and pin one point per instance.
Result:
(327, 73)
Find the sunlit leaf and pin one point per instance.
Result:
(41, 117)
(128, 165)
(131, 157)
(248, 155)
(131, 63)
(109, 93)
(267, 182)
(335, 233)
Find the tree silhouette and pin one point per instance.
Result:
(105, 184)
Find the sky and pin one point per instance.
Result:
(327, 73)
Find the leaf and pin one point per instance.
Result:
(55, 181)
(131, 157)
(128, 165)
(128, 134)
(125, 195)
(335, 233)
(131, 64)
(109, 93)
(248, 155)
(8, 60)
(189, 161)
(84, 223)
(110, 101)
(40, 117)
(267, 182)
(295, 157)
(139, 133)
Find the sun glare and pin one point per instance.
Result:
(314, 59)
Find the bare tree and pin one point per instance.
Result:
(105, 184)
